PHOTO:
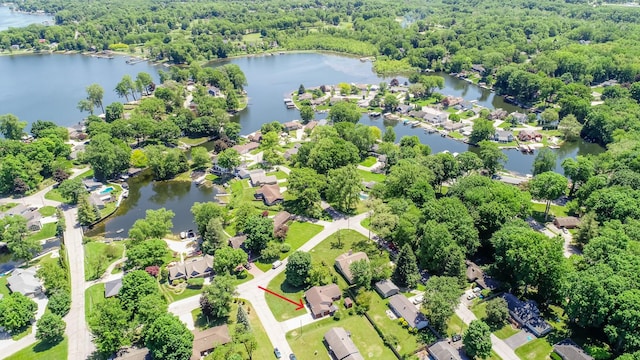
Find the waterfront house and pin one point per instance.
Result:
(498, 114)
(112, 288)
(25, 282)
(305, 96)
(206, 340)
(344, 261)
(519, 118)
(433, 116)
(452, 126)
(403, 308)
(91, 184)
(259, 177)
(255, 137)
(451, 101)
(236, 242)
(340, 345)
(246, 148)
(503, 136)
(567, 222)
(213, 91)
(270, 194)
(404, 109)
(442, 350)
(529, 135)
(311, 125)
(320, 299)
(478, 68)
(386, 288)
(292, 126)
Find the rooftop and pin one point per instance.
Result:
(442, 350)
(344, 261)
(321, 298)
(112, 288)
(206, 340)
(340, 344)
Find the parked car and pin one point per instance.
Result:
(276, 264)
(476, 290)
(292, 357)
(418, 299)
(564, 230)
(276, 352)
(247, 266)
(456, 337)
(471, 296)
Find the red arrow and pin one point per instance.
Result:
(299, 303)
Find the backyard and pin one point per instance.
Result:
(48, 231)
(369, 176)
(537, 349)
(307, 341)
(98, 256)
(92, 297)
(455, 325)
(298, 234)
(42, 351)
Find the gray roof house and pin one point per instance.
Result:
(344, 261)
(177, 271)
(25, 282)
(403, 308)
(519, 117)
(503, 136)
(442, 350)
(386, 288)
(29, 213)
(91, 184)
(260, 177)
(237, 241)
(568, 350)
(340, 345)
(112, 288)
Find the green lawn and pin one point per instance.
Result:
(480, 310)
(307, 341)
(456, 135)
(7, 206)
(369, 176)
(264, 350)
(407, 342)
(42, 351)
(369, 161)
(193, 141)
(242, 190)
(55, 195)
(505, 125)
(298, 234)
(506, 332)
(4, 289)
(92, 297)
(494, 356)
(47, 210)
(178, 293)
(365, 223)
(279, 174)
(47, 231)
(455, 325)
(98, 256)
(283, 310)
(538, 349)
(555, 210)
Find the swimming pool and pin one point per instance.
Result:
(106, 190)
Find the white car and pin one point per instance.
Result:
(418, 299)
(471, 296)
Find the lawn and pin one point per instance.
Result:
(193, 141)
(47, 231)
(298, 234)
(505, 125)
(42, 350)
(283, 310)
(47, 210)
(506, 332)
(407, 342)
(307, 341)
(55, 195)
(92, 297)
(480, 310)
(279, 174)
(4, 289)
(369, 176)
(555, 210)
(369, 161)
(98, 256)
(456, 135)
(179, 292)
(7, 206)
(455, 325)
(241, 189)
(538, 349)
(264, 350)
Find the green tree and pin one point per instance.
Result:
(155, 225)
(109, 323)
(548, 186)
(108, 157)
(146, 82)
(306, 113)
(343, 187)
(622, 330)
(389, 135)
(259, 231)
(298, 268)
(136, 284)
(406, 273)
(579, 170)
(545, 161)
(587, 229)
(362, 273)
(468, 162)
(215, 300)
(13, 232)
(139, 158)
(391, 102)
(381, 219)
(11, 127)
(301, 90)
(477, 340)
(114, 111)
(492, 157)
(152, 252)
(214, 238)
(151, 307)
(200, 158)
(125, 86)
(16, 312)
(59, 302)
(570, 128)
(497, 312)
(482, 130)
(431, 83)
(203, 213)
(72, 189)
(166, 163)
(227, 259)
(50, 328)
(344, 111)
(95, 93)
(229, 159)
(169, 339)
(441, 297)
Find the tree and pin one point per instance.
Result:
(16, 312)
(301, 89)
(114, 111)
(245, 337)
(477, 340)
(59, 302)
(50, 328)
(469, 161)
(125, 86)
(431, 83)
(548, 186)
(13, 231)
(214, 238)
(242, 318)
(109, 323)
(306, 113)
(497, 312)
(146, 82)
(343, 187)
(139, 158)
(441, 297)
(545, 161)
(389, 135)
(579, 170)
(215, 300)
(108, 157)
(381, 219)
(570, 128)
(72, 189)
(622, 330)
(152, 252)
(203, 213)
(200, 158)
(482, 130)
(259, 231)
(136, 284)
(169, 339)
(406, 273)
(165, 162)
(344, 111)
(492, 157)
(151, 307)
(87, 213)
(227, 259)
(11, 127)
(587, 229)
(95, 93)
(155, 225)
(391, 102)
(362, 273)
(229, 159)
(298, 268)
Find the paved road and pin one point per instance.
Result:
(500, 347)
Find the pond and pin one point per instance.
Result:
(14, 19)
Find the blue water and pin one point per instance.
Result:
(12, 19)
(106, 190)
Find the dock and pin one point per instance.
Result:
(290, 104)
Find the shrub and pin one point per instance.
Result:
(285, 248)
(337, 316)
(195, 282)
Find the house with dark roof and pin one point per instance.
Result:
(320, 299)
(340, 345)
(132, 353)
(529, 135)
(442, 350)
(526, 313)
(344, 261)
(25, 282)
(112, 288)
(270, 194)
(569, 350)
(403, 308)
(206, 340)
(199, 267)
(91, 184)
(386, 288)
(476, 274)
(567, 222)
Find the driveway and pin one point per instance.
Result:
(519, 339)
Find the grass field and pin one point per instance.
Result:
(55, 195)
(193, 141)
(98, 256)
(505, 332)
(306, 342)
(538, 349)
(369, 176)
(264, 350)
(279, 174)
(407, 342)
(92, 297)
(179, 293)
(555, 210)
(47, 231)
(4, 289)
(369, 161)
(47, 210)
(42, 351)
(480, 310)
(7, 206)
(298, 234)
(283, 310)
(455, 325)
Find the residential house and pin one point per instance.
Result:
(526, 313)
(529, 135)
(568, 350)
(364, 103)
(478, 68)
(243, 173)
(320, 299)
(292, 126)
(246, 148)
(417, 114)
(255, 137)
(100, 200)
(403, 308)
(451, 101)
(236, 242)
(290, 152)
(260, 177)
(503, 136)
(340, 345)
(311, 125)
(112, 288)
(476, 274)
(132, 353)
(466, 105)
(520, 118)
(567, 222)
(199, 267)
(433, 116)
(25, 282)
(31, 214)
(305, 96)
(270, 194)
(498, 114)
(344, 261)
(386, 288)
(177, 271)
(442, 350)
(404, 109)
(206, 340)
(213, 91)
(280, 219)
(453, 126)
(91, 184)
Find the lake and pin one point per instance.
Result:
(12, 19)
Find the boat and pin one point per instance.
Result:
(119, 231)
(525, 148)
(374, 114)
(415, 124)
(430, 130)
